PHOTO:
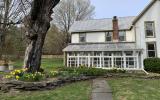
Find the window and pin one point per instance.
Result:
(149, 29)
(130, 62)
(122, 35)
(129, 53)
(82, 37)
(108, 36)
(151, 49)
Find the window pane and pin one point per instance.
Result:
(149, 26)
(122, 36)
(129, 53)
(82, 37)
(151, 47)
(151, 54)
(149, 33)
(108, 36)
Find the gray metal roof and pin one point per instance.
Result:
(101, 24)
(101, 47)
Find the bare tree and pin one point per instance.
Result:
(37, 24)
(54, 41)
(69, 11)
(10, 14)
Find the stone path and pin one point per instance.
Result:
(101, 90)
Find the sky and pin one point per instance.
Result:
(120, 8)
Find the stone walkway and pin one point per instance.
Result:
(101, 90)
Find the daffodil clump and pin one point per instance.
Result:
(52, 74)
(37, 76)
(16, 74)
(25, 76)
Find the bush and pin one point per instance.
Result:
(152, 65)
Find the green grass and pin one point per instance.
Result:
(75, 91)
(135, 89)
(47, 64)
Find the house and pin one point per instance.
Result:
(118, 42)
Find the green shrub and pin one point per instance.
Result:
(90, 71)
(152, 65)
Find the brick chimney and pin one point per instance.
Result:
(115, 29)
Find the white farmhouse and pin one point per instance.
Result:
(118, 42)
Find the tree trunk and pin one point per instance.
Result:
(37, 24)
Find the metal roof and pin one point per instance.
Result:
(101, 24)
(101, 47)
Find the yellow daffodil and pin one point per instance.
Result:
(17, 77)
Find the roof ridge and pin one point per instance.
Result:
(102, 18)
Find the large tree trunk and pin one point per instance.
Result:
(37, 24)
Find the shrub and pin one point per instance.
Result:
(152, 65)
(90, 71)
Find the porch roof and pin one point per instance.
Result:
(101, 47)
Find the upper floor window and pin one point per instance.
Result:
(82, 37)
(109, 36)
(151, 49)
(122, 35)
(149, 29)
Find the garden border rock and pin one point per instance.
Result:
(9, 85)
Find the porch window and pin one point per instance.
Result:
(130, 62)
(109, 36)
(151, 49)
(122, 35)
(149, 29)
(82, 37)
(129, 53)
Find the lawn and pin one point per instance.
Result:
(75, 91)
(135, 89)
(47, 64)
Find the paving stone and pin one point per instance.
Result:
(101, 90)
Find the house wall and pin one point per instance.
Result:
(100, 37)
(130, 36)
(151, 15)
(95, 37)
(75, 38)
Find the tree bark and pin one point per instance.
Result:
(37, 24)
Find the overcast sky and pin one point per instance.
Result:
(110, 8)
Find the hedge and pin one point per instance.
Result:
(152, 65)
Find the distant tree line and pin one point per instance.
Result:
(12, 35)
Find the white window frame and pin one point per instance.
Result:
(124, 35)
(110, 36)
(155, 47)
(153, 29)
(80, 36)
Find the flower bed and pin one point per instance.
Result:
(8, 85)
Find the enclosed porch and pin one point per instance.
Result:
(129, 60)
(107, 56)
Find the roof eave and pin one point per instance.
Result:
(144, 11)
